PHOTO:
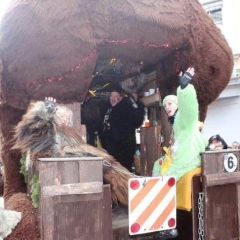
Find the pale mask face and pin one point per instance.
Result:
(64, 118)
(114, 98)
(216, 144)
(170, 107)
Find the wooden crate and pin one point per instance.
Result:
(221, 191)
(74, 204)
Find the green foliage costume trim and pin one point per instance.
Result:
(35, 189)
(34, 183)
(23, 169)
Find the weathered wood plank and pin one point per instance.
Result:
(220, 212)
(69, 172)
(107, 213)
(72, 216)
(76, 188)
(90, 171)
(48, 174)
(47, 217)
(213, 161)
(221, 179)
(150, 148)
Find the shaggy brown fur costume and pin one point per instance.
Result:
(27, 227)
(1, 184)
(39, 131)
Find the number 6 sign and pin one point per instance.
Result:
(230, 162)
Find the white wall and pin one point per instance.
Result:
(231, 21)
(223, 117)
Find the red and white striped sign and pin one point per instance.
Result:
(152, 204)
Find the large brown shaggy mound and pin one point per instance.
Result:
(51, 49)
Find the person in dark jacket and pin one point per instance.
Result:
(120, 117)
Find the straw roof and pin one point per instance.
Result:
(51, 47)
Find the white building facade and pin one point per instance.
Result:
(223, 116)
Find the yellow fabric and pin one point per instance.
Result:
(184, 190)
(201, 125)
(167, 160)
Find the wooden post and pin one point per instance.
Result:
(150, 148)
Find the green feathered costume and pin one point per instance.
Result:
(189, 142)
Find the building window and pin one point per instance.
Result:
(236, 67)
(216, 15)
(214, 9)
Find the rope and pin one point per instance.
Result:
(108, 164)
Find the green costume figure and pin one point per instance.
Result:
(187, 141)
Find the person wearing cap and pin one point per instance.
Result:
(187, 142)
(216, 142)
(119, 119)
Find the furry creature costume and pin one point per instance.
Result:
(41, 133)
(118, 138)
(8, 220)
(189, 142)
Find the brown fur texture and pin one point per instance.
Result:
(1, 184)
(27, 227)
(13, 180)
(39, 46)
(14, 186)
(39, 131)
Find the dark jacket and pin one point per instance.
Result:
(119, 138)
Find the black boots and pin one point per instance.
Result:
(166, 234)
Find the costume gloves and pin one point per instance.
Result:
(50, 105)
(185, 79)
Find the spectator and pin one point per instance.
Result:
(235, 145)
(216, 142)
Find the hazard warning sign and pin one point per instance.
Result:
(152, 204)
